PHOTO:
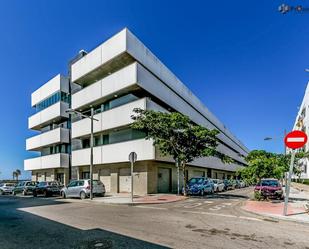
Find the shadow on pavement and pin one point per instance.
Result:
(20, 229)
(222, 196)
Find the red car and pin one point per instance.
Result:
(270, 188)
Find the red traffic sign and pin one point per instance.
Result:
(295, 139)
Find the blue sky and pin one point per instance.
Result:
(244, 61)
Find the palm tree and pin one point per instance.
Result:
(14, 175)
(18, 173)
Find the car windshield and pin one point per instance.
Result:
(30, 184)
(42, 184)
(196, 181)
(10, 184)
(270, 183)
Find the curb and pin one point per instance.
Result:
(274, 218)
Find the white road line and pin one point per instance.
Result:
(208, 202)
(224, 215)
(193, 205)
(227, 204)
(159, 208)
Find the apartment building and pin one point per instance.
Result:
(302, 123)
(119, 75)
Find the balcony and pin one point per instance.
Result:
(54, 161)
(113, 118)
(118, 82)
(52, 113)
(58, 83)
(56, 136)
(115, 153)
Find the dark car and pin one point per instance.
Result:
(270, 188)
(24, 188)
(199, 186)
(47, 189)
(227, 184)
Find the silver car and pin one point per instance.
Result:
(6, 188)
(81, 189)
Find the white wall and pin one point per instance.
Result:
(58, 83)
(59, 135)
(47, 162)
(47, 115)
(115, 153)
(111, 84)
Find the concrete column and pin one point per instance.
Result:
(114, 180)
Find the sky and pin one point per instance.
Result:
(243, 59)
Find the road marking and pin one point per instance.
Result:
(159, 208)
(194, 205)
(208, 202)
(224, 215)
(227, 204)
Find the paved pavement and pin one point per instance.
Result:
(209, 222)
(274, 209)
(137, 200)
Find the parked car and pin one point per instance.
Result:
(270, 188)
(228, 185)
(47, 189)
(199, 186)
(6, 188)
(25, 188)
(218, 185)
(81, 189)
(242, 184)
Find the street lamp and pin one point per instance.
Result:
(71, 111)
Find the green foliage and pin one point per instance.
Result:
(175, 135)
(258, 196)
(263, 164)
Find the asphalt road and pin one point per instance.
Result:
(209, 222)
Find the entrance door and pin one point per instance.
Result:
(164, 180)
(60, 178)
(125, 180)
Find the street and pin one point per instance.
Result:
(209, 222)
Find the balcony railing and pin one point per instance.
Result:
(60, 160)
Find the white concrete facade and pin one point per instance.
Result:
(119, 75)
(302, 123)
(51, 121)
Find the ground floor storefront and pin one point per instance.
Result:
(60, 175)
(149, 176)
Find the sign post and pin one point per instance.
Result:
(293, 140)
(132, 159)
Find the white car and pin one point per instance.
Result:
(218, 185)
(6, 188)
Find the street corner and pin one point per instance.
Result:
(274, 209)
(159, 199)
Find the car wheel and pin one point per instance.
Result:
(13, 193)
(45, 194)
(63, 195)
(24, 192)
(202, 192)
(1, 192)
(35, 194)
(82, 195)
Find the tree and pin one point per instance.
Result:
(263, 164)
(18, 173)
(14, 175)
(175, 135)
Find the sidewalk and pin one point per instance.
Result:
(139, 200)
(274, 209)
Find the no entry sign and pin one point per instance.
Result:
(295, 139)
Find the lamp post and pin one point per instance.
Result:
(70, 111)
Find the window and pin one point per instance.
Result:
(56, 97)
